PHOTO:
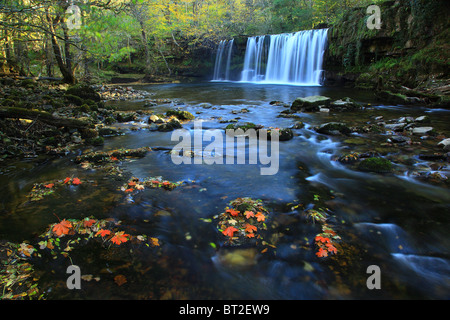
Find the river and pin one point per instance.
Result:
(393, 221)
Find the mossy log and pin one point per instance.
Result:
(45, 117)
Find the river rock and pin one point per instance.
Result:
(395, 126)
(445, 144)
(180, 114)
(399, 139)
(155, 119)
(345, 104)
(422, 119)
(173, 124)
(334, 128)
(375, 164)
(421, 131)
(310, 104)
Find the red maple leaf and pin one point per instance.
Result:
(229, 231)
(49, 186)
(88, 223)
(322, 253)
(76, 181)
(233, 212)
(322, 239)
(66, 180)
(260, 217)
(249, 228)
(250, 235)
(62, 228)
(249, 214)
(103, 232)
(120, 237)
(331, 248)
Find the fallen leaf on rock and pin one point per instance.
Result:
(120, 279)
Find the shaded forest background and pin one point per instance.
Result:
(152, 37)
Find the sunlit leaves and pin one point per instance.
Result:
(243, 220)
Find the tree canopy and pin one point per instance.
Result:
(36, 38)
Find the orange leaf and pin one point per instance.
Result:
(249, 214)
(260, 217)
(129, 190)
(331, 248)
(113, 158)
(119, 237)
(66, 180)
(131, 183)
(50, 185)
(233, 212)
(322, 253)
(62, 228)
(229, 231)
(250, 235)
(76, 181)
(88, 223)
(120, 279)
(103, 232)
(249, 228)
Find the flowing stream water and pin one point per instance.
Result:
(392, 221)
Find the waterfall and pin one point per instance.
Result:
(290, 58)
(222, 66)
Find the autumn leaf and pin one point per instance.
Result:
(62, 228)
(232, 222)
(249, 228)
(250, 235)
(67, 180)
(322, 239)
(129, 190)
(155, 242)
(76, 181)
(331, 248)
(103, 232)
(322, 253)
(119, 237)
(249, 214)
(120, 279)
(229, 231)
(260, 217)
(131, 183)
(233, 212)
(139, 187)
(49, 186)
(88, 222)
(114, 158)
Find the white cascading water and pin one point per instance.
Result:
(222, 66)
(290, 58)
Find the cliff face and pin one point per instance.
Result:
(411, 48)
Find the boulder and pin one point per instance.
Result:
(334, 128)
(345, 104)
(180, 114)
(377, 165)
(310, 104)
(445, 144)
(421, 131)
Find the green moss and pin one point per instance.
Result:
(378, 165)
(180, 114)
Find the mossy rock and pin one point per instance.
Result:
(377, 165)
(98, 141)
(310, 104)
(180, 114)
(84, 92)
(74, 99)
(334, 128)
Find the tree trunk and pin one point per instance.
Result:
(66, 70)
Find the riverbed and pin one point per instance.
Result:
(394, 221)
